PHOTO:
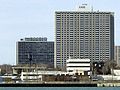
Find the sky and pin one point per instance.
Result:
(35, 18)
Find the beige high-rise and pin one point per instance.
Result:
(83, 34)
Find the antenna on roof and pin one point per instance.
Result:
(92, 9)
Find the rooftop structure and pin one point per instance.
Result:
(34, 39)
(84, 7)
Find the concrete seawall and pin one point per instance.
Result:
(61, 84)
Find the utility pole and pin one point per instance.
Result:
(30, 59)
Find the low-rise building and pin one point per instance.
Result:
(114, 76)
(39, 75)
(117, 55)
(79, 66)
(27, 68)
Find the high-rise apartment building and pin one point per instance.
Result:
(117, 55)
(83, 34)
(39, 50)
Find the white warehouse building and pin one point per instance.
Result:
(79, 66)
(38, 75)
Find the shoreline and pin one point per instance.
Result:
(47, 85)
(61, 84)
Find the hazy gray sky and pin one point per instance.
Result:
(35, 18)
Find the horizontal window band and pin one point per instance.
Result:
(78, 66)
(78, 62)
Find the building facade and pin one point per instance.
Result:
(117, 55)
(79, 66)
(35, 51)
(83, 34)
